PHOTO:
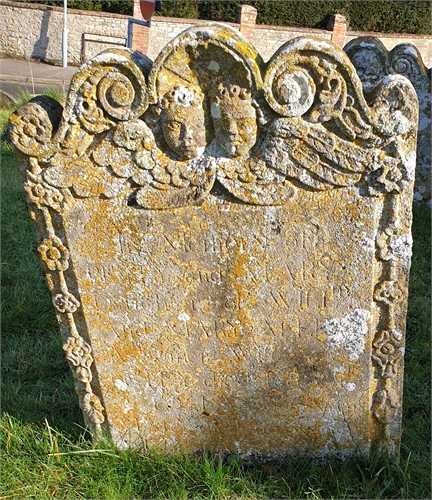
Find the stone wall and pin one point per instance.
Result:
(163, 30)
(267, 39)
(34, 31)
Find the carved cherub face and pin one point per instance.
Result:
(183, 122)
(234, 119)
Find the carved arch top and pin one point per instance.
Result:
(208, 109)
(202, 54)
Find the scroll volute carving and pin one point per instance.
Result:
(32, 126)
(406, 60)
(109, 88)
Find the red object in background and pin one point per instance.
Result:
(147, 8)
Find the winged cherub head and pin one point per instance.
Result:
(183, 121)
(234, 118)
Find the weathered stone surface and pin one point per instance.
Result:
(227, 244)
(373, 62)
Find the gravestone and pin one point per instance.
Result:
(227, 244)
(373, 62)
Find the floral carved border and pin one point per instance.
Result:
(47, 203)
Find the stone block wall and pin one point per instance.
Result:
(164, 29)
(35, 31)
(29, 30)
(267, 39)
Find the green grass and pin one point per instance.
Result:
(47, 453)
(41, 462)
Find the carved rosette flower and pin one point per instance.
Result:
(78, 353)
(54, 254)
(388, 292)
(387, 352)
(66, 302)
(44, 195)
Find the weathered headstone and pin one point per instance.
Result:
(227, 244)
(373, 62)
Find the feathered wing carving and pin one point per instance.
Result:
(329, 136)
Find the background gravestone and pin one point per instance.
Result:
(227, 244)
(373, 62)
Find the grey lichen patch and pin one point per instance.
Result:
(349, 332)
(402, 247)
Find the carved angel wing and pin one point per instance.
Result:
(314, 157)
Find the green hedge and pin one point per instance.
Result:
(116, 6)
(362, 15)
(387, 16)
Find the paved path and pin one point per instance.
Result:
(17, 75)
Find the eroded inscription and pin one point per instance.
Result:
(223, 307)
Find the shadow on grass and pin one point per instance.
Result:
(36, 380)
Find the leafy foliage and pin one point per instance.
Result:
(363, 15)
(116, 6)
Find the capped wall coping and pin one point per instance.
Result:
(156, 18)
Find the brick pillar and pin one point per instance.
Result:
(140, 34)
(338, 25)
(246, 17)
